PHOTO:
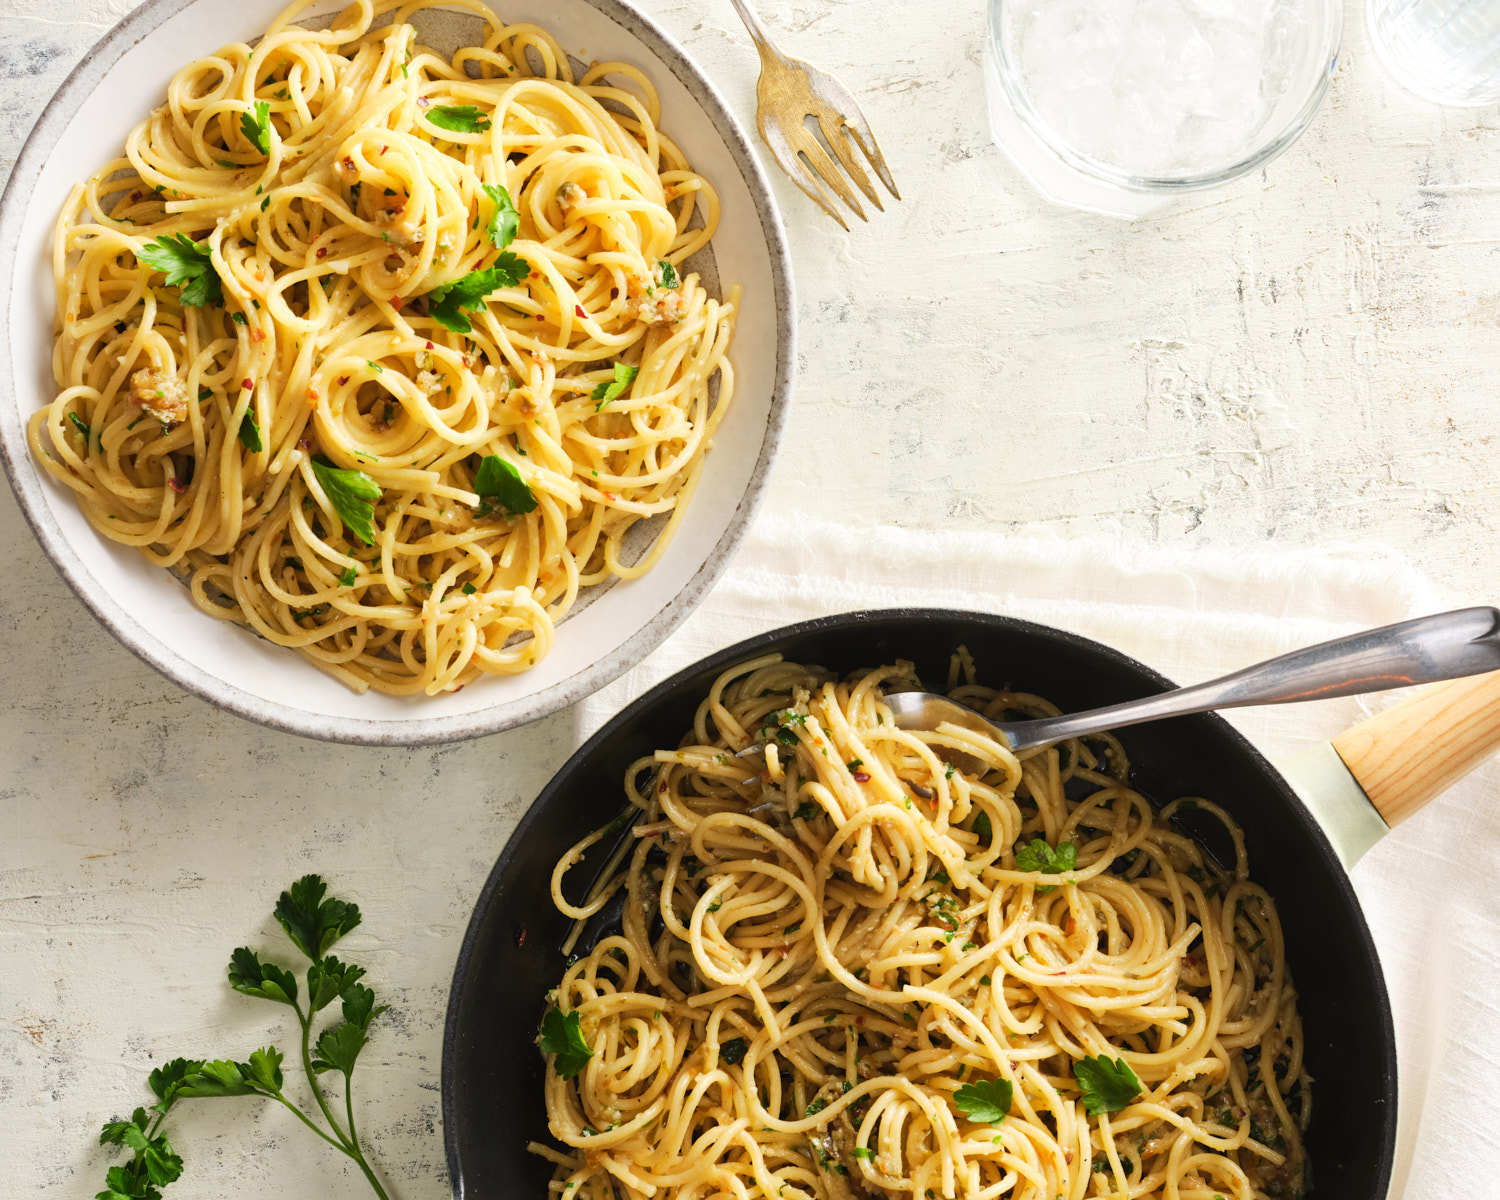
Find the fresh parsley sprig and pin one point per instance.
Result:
(314, 922)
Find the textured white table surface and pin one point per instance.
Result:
(1310, 355)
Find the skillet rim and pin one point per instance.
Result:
(769, 641)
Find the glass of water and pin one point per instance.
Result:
(1120, 105)
(1444, 50)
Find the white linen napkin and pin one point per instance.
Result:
(1427, 889)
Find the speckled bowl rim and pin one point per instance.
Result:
(27, 484)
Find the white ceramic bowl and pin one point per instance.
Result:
(152, 614)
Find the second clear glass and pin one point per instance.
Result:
(1443, 50)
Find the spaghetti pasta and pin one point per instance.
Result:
(863, 961)
(385, 351)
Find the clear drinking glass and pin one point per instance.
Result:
(1444, 50)
(1119, 105)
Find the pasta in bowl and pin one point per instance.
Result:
(429, 363)
(400, 356)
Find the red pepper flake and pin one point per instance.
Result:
(322, 251)
(662, 787)
(861, 777)
(520, 936)
(176, 485)
(135, 195)
(383, 149)
(859, 1020)
(429, 345)
(397, 302)
(343, 379)
(578, 308)
(247, 384)
(304, 444)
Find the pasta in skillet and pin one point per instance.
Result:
(848, 967)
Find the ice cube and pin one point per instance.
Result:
(1157, 85)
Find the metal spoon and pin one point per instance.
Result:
(1446, 646)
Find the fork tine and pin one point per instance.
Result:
(854, 121)
(817, 158)
(786, 158)
(832, 126)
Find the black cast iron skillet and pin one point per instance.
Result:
(492, 1072)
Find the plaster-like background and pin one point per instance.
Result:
(1310, 355)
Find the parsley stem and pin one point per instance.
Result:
(312, 1081)
(358, 1155)
(349, 1113)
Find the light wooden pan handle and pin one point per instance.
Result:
(1411, 752)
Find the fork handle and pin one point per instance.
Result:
(758, 33)
(1446, 646)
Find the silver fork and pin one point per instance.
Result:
(1449, 645)
(789, 92)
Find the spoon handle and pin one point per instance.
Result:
(1446, 646)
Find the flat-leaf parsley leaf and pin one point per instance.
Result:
(562, 1036)
(352, 494)
(610, 389)
(459, 118)
(1042, 858)
(187, 264)
(250, 432)
(257, 128)
(249, 975)
(985, 1101)
(505, 222)
(446, 304)
(500, 486)
(1108, 1085)
(312, 922)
